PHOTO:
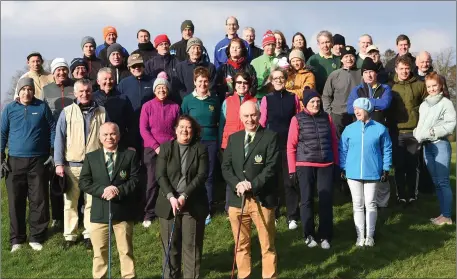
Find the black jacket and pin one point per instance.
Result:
(390, 65)
(167, 63)
(228, 70)
(119, 73)
(94, 64)
(260, 167)
(102, 55)
(146, 50)
(255, 51)
(178, 49)
(168, 174)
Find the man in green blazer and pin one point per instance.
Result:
(250, 168)
(111, 173)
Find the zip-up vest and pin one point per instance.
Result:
(363, 92)
(314, 138)
(280, 110)
(77, 146)
(233, 123)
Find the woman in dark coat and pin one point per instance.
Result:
(299, 42)
(181, 172)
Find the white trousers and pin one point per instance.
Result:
(363, 194)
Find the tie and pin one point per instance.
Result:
(246, 145)
(110, 164)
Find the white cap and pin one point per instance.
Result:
(58, 62)
(372, 47)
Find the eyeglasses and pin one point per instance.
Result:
(242, 82)
(279, 78)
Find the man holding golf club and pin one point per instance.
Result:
(110, 176)
(250, 161)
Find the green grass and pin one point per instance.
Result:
(407, 246)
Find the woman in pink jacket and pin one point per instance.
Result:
(157, 120)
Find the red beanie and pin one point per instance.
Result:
(160, 39)
(268, 38)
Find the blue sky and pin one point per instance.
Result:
(55, 28)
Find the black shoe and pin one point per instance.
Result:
(88, 244)
(68, 244)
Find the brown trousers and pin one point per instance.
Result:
(123, 232)
(264, 220)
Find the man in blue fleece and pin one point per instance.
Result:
(29, 129)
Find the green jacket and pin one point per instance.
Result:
(94, 179)
(261, 166)
(262, 67)
(407, 96)
(168, 174)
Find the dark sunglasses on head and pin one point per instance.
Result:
(242, 82)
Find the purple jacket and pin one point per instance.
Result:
(157, 120)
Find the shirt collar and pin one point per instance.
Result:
(194, 93)
(326, 56)
(105, 150)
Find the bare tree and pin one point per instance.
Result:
(388, 55)
(444, 64)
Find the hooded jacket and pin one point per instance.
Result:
(146, 50)
(407, 96)
(299, 80)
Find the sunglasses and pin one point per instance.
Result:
(242, 82)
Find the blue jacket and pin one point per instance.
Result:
(220, 56)
(136, 91)
(380, 97)
(367, 150)
(29, 130)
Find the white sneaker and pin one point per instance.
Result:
(16, 247)
(360, 242)
(369, 242)
(36, 246)
(325, 244)
(147, 224)
(293, 225)
(310, 242)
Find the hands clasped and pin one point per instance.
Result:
(242, 187)
(110, 192)
(177, 203)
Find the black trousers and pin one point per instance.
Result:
(28, 180)
(150, 157)
(288, 193)
(341, 121)
(307, 178)
(405, 159)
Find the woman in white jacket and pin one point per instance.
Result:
(436, 122)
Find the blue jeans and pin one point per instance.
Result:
(438, 159)
(212, 149)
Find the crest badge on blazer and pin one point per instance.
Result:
(258, 159)
(211, 108)
(123, 174)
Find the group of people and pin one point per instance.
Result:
(133, 137)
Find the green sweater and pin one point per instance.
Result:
(322, 68)
(206, 112)
(262, 67)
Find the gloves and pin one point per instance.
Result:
(385, 176)
(4, 167)
(293, 179)
(343, 175)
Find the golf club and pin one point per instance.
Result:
(243, 200)
(109, 239)
(167, 254)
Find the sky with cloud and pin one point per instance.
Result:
(55, 28)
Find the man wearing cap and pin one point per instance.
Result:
(339, 42)
(380, 96)
(179, 49)
(93, 63)
(29, 130)
(364, 41)
(137, 89)
(337, 88)
(249, 36)
(324, 62)
(185, 69)
(110, 37)
(40, 77)
(117, 63)
(145, 48)
(262, 65)
(375, 55)
(78, 69)
(77, 134)
(231, 27)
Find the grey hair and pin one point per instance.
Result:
(84, 82)
(325, 33)
(366, 35)
(249, 29)
(116, 127)
(104, 70)
(276, 68)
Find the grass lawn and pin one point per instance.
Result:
(407, 246)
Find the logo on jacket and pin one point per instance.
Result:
(258, 159)
(211, 107)
(333, 65)
(123, 174)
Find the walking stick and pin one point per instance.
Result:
(109, 238)
(243, 200)
(167, 254)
